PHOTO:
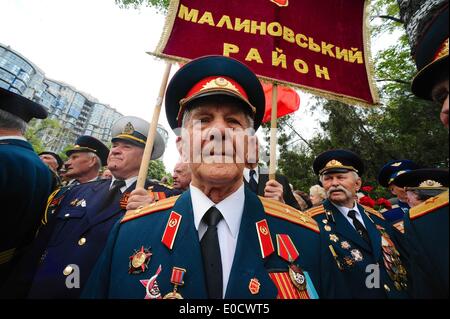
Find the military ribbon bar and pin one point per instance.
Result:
(286, 248)
(177, 276)
(265, 240)
(171, 230)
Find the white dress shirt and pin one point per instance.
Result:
(232, 209)
(344, 211)
(247, 174)
(128, 183)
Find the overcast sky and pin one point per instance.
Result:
(100, 49)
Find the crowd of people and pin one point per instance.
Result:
(224, 229)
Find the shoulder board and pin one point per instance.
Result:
(150, 209)
(400, 226)
(428, 206)
(373, 211)
(312, 212)
(286, 212)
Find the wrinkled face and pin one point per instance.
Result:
(399, 192)
(124, 159)
(50, 161)
(341, 188)
(181, 176)
(79, 164)
(440, 96)
(216, 135)
(412, 199)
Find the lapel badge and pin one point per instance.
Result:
(254, 286)
(139, 261)
(345, 245)
(334, 238)
(348, 261)
(327, 227)
(325, 221)
(74, 202)
(170, 233)
(151, 286)
(177, 280)
(82, 203)
(265, 240)
(357, 255)
(297, 277)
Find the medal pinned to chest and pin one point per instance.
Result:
(391, 258)
(288, 251)
(139, 261)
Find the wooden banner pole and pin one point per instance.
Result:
(273, 133)
(152, 131)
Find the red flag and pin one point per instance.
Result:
(288, 101)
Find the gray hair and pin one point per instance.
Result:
(11, 121)
(98, 161)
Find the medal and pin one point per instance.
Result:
(177, 280)
(327, 227)
(334, 238)
(357, 255)
(265, 240)
(139, 261)
(297, 277)
(345, 245)
(151, 286)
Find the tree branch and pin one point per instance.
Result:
(394, 80)
(395, 19)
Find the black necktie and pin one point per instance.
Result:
(112, 194)
(252, 182)
(212, 262)
(362, 231)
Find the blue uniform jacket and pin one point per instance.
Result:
(111, 277)
(426, 233)
(75, 234)
(396, 213)
(25, 184)
(354, 254)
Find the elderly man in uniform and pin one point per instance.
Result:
(360, 240)
(386, 178)
(218, 240)
(427, 224)
(25, 181)
(79, 220)
(181, 176)
(86, 159)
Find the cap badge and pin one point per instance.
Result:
(396, 164)
(220, 83)
(128, 129)
(430, 183)
(443, 51)
(333, 163)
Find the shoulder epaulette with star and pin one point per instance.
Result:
(429, 206)
(373, 212)
(150, 209)
(286, 212)
(312, 212)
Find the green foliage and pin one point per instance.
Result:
(35, 128)
(156, 170)
(161, 5)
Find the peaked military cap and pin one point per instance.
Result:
(426, 25)
(338, 161)
(209, 76)
(88, 143)
(20, 106)
(423, 179)
(56, 156)
(134, 130)
(392, 169)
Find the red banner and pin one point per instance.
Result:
(317, 45)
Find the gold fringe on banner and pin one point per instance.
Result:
(168, 25)
(370, 66)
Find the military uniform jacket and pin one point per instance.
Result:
(252, 275)
(25, 184)
(426, 233)
(353, 254)
(75, 234)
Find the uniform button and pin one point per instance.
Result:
(67, 271)
(82, 241)
(386, 287)
(67, 215)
